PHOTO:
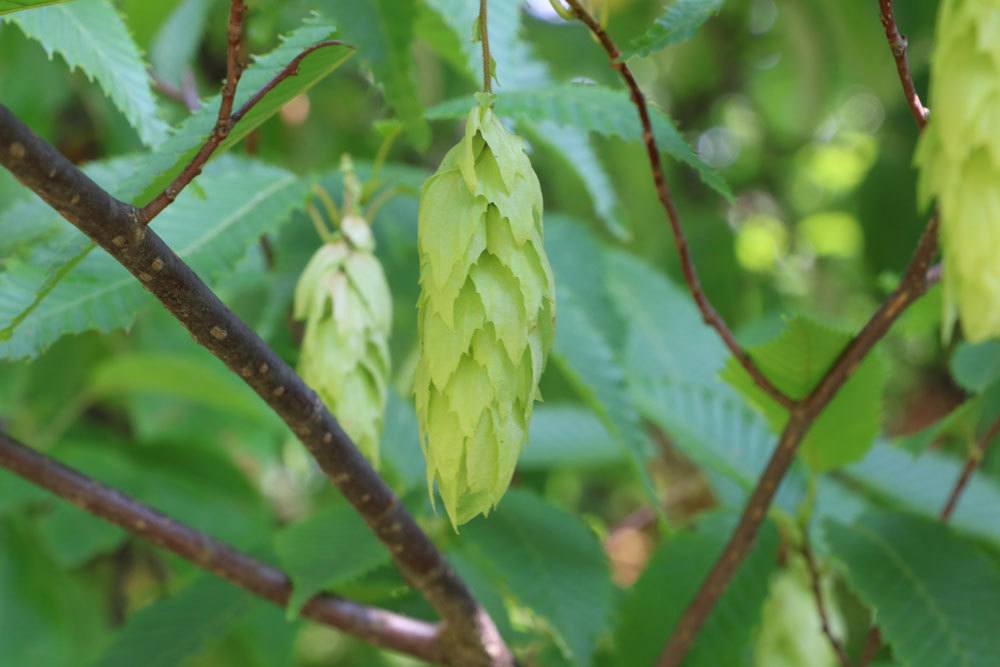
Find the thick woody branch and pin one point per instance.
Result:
(898, 45)
(377, 626)
(708, 312)
(469, 635)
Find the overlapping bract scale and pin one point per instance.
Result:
(959, 160)
(486, 315)
(345, 301)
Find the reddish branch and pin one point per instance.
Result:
(227, 118)
(708, 312)
(816, 584)
(377, 626)
(898, 44)
(971, 463)
(469, 637)
(803, 412)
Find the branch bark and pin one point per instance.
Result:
(708, 312)
(469, 636)
(898, 46)
(377, 626)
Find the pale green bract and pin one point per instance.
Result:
(959, 160)
(345, 301)
(486, 315)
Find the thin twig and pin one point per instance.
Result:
(377, 626)
(234, 63)
(484, 37)
(708, 312)
(469, 636)
(816, 584)
(898, 45)
(975, 457)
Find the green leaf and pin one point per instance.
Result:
(46, 616)
(168, 632)
(8, 6)
(383, 32)
(721, 434)
(680, 21)
(176, 44)
(90, 35)
(169, 374)
(934, 594)
(922, 484)
(584, 348)
(550, 562)
(328, 549)
(653, 605)
(976, 366)
(74, 536)
(243, 199)
(569, 436)
(139, 179)
(595, 109)
(159, 168)
(795, 361)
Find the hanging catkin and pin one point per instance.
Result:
(959, 160)
(345, 301)
(486, 314)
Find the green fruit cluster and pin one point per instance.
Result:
(959, 160)
(345, 301)
(486, 314)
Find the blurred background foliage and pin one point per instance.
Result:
(794, 103)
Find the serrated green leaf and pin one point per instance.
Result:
(139, 179)
(168, 632)
(211, 234)
(90, 35)
(656, 601)
(720, 433)
(383, 32)
(680, 21)
(159, 168)
(9, 6)
(922, 484)
(326, 550)
(597, 109)
(550, 562)
(976, 366)
(935, 595)
(175, 46)
(795, 361)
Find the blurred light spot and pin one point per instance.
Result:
(761, 241)
(718, 147)
(543, 9)
(838, 166)
(763, 15)
(832, 234)
(768, 62)
(296, 110)
(863, 112)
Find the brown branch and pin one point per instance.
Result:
(484, 37)
(816, 584)
(234, 63)
(971, 463)
(376, 626)
(898, 45)
(708, 312)
(469, 637)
